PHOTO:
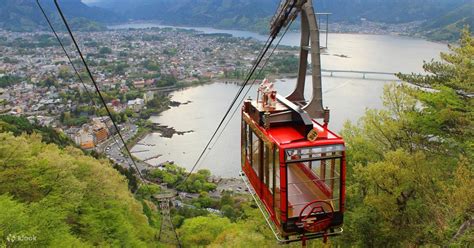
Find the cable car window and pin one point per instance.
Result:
(271, 171)
(266, 165)
(244, 139)
(313, 152)
(256, 154)
(248, 147)
(310, 180)
(277, 202)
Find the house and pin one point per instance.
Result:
(136, 105)
(100, 134)
(139, 84)
(104, 122)
(84, 138)
(149, 82)
(148, 96)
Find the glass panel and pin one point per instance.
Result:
(277, 184)
(318, 152)
(244, 140)
(313, 180)
(266, 165)
(249, 144)
(271, 171)
(256, 153)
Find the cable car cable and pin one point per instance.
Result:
(237, 95)
(97, 87)
(226, 113)
(230, 106)
(89, 94)
(66, 53)
(246, 93)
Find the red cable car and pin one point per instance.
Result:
(294, 164)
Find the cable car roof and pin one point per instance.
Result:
(291, 137)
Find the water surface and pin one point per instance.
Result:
(348, 98)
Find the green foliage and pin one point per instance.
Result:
(449, 26)
(147, 191)
(64, 198)
(216, 231)
(48, 81)
(198, 182)
(201, 231)
(151, 65)
(447, 111)
(117, 68)
(173, 175)
(166, 80)
(7, 81)
(69, 119)
(105, 50)
(9, 60)
(286, 64)
(129, 173)
(158, 103)
(169, 174)
(409, 163)
(65, 73)
(118, 117)
(20, 125)
(204, 201)
(86, 25)
(131, 95)
(170, 51)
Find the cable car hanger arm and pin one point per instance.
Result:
(289, 10)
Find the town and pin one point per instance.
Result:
(134, 68)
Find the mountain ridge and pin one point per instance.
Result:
(440, 19)
(255, 15)
(24, 15)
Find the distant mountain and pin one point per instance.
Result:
(241, 12)
(448, 26)
(24, 15)
(442, 18)
(387, 11)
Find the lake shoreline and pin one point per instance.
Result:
(159, 24)
(347, 95)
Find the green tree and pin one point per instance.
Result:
(7, 81)
(65, 198)
(166, 80)
(64, 73)
(448, 110)
(105, 50)
(409, 163)
(202, 231)
(151, 65)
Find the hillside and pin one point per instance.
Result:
(252, 14)
(442, 19)
(24, 15)
(59, 197)
(236, 14)
(448, 26)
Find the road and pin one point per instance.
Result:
(113, 151)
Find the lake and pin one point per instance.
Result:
(348, 98)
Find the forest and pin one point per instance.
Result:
(409, 180)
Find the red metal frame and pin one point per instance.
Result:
(283, 138)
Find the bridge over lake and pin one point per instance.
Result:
(363, 74)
